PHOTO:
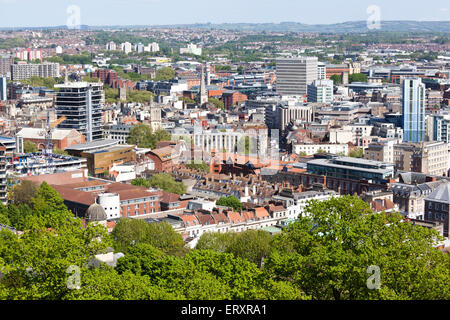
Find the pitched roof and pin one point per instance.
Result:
(165, 153)
(261, 212)
(440, 194)
(73, 195)
(168, 197)
(235, 217)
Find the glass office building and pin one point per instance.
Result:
(413, 110)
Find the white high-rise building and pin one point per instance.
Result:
(139, 48)
(111, 46)
(413, 110)
(126, 47)
(321, 91)
(295, 74)
(321, 71)
(152, 47)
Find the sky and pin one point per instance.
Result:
(38, 13)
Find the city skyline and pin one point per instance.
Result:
(141, 12)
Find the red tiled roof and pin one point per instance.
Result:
(189, 220)
(168, 197)
(248, 215)
(261, 212)
(73, 195)
(235, 217)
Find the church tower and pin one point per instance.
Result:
(203, 92)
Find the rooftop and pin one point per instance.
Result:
(440, 194)
(93, 145)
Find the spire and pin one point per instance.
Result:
(203, 92)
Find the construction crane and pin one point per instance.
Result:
(49, 133)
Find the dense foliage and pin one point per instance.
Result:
(231, 202)
(142, 135)
(161, 181)
(325, 254)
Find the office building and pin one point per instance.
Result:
(23, 71)
(321, 91)
(3, 87)
(321, 71)
(293, 112)
(80, 103)
(295, 74)
(5, 66)
(413, 110)
(441, 127)
(426, 157)
(353, 169)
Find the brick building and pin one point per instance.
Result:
(61, 138)
(231, 98)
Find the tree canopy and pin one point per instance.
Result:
(164, 74)
(142, 135)
(338, 249)
(29, 147)
(231, 202)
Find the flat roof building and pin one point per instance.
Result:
(352, 168)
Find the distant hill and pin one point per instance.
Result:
(353, 26)
(344, 27)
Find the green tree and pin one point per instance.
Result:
(203, 166)
(128, 232)
(29, 147)
(252, 245)
(356, 153)
(35, 264)
(231, 202)
(217, 103)
(107, 284)
(163, 237)
(60, 151)
(167, 183)
(216, 241)
(357, 77)
(141, 182)
(328, 251)
(23, 193)
(142, 135)
(164, 74)
(337, 79)
(321, 151)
